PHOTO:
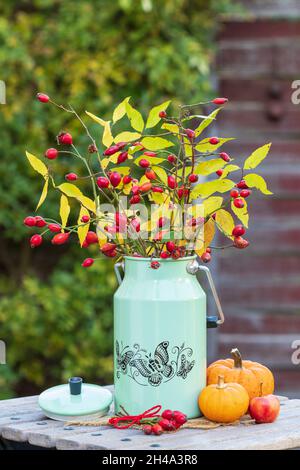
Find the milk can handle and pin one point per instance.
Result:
(117, 268)
(212, 322)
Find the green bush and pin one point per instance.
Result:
(58, 328)
(55, 317)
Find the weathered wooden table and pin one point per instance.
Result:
(22, 421)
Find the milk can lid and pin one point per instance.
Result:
(75, 399)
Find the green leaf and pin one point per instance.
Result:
(229, 169)
(207, 121)
(257, 157)
(135, 117)
(204, 146)
(241, 213)
(127, 137)
(44, 194)
(64, 210)
(207, 189)
(120, 110)
(156, 143)
(96, 119)
(225, 222)
(206, 168)
(153, 117)
(256, 181)
(37, 164)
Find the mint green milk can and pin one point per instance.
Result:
(160, 335)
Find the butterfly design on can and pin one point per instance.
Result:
(156, 367)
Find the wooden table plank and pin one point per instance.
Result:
(21, 420)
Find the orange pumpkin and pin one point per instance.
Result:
(257, 379)
(223, 402)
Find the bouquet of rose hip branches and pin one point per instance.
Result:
(151, 190)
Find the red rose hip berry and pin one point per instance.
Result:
(36, 240)
(219, 101)
(87, 262)
(171, 246)
(179, 417)
(167, 414)
(239, 203)
(238, 231)
(29, 221)
(214, 140)
(51, 153)
(55, 228)
(206, 257)
(193, 178)
(102, 182)
(147, 429)
(127, 179)
(234, 193)
(71, 177)
(162, 114)
(65, 138)
(42, 97)
(122, 157)
(157, 429)
(40, 222)
(91, 237)
(190, 133)
(172, 182)
(225, 156)
(242, 185)
(144, 163)
(245, 193)
(154, 264)
(115, 178)
(60, 239)
(85, 219)
(171, 158)
(219, 172)
(240, 243)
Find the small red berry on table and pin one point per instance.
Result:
(157, 429)
(147, 429)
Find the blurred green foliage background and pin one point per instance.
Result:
(55, 317)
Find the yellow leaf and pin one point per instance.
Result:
(256, 181)
(242, 213)
(212, 204)
(105, 162)
(225, 222)
(69, 189)
(127, 137)
(207, 121)
(156, 143)
(171, 128)
(154, 160)
(44, 194)
(127, 188)
(153, 117)
(159, 198)
(257, 157)
(120, 110)
(37, 164)
(208, 234)
(64, 210)
(187, 147)
(229, 169)
(123, 170)
(96, 119)
(211, 187)
(206, 168)
(204, 145)
(135, 118)
(87, 202)
(82, 229)
(161, 173)
(107, 138)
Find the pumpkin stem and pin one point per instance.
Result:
(221, 382)
(238, 363)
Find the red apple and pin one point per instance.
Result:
(264, 409)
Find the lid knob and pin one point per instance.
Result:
(75, 385)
